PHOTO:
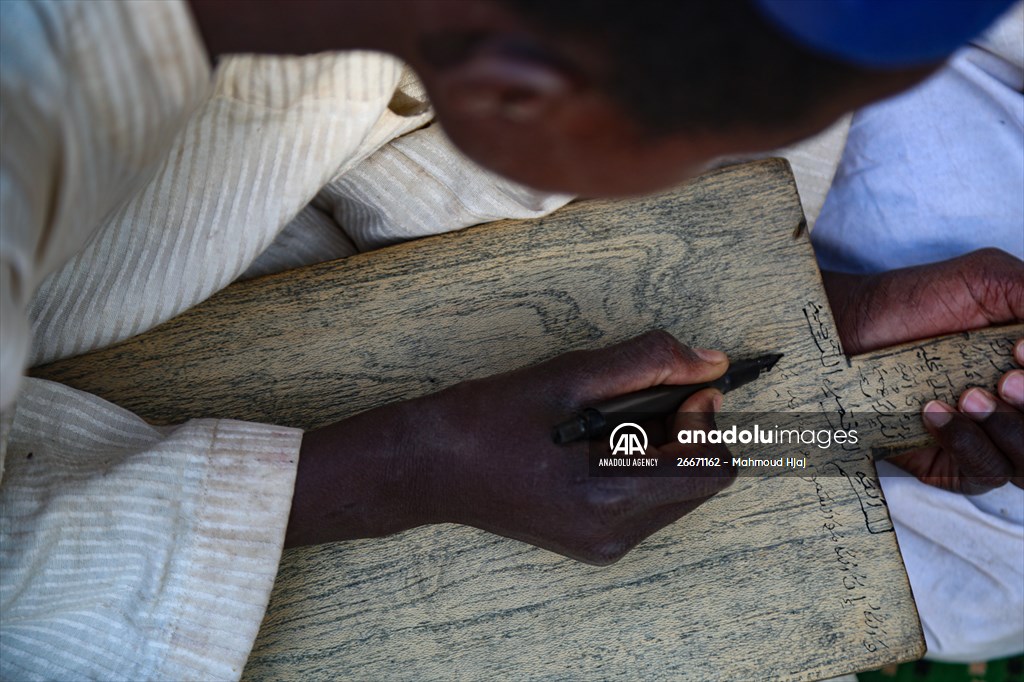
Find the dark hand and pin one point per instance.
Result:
(481, 454)
(980, 446)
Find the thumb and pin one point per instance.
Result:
(651, 359)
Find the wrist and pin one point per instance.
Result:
(358, 478)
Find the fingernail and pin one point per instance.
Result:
(712, 356)
(1018, 351)
(978, 404)
(716, 402)
(937, 414)
(1013, 387)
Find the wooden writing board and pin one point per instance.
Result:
(779, 577)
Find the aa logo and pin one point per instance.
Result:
(628, 439)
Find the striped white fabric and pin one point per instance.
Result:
(312, 236)
(251, 157)
(131, 552)
(421, 185)
(92, 94)
(415, 186)
(133, 187)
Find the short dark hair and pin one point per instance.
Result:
(680, 65)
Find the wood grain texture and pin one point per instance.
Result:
(779, 577)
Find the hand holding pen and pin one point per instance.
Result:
(480, 453)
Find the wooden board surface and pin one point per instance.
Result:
(779, 577)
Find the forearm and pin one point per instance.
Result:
(883, 309)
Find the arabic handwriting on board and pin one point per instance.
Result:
(857, 591)
(821, 326)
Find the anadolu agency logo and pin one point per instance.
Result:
(628, 440)
(628, 457)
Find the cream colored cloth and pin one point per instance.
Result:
(92, 96)
(133, 187)
(131, 552)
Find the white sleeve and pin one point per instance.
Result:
(134, 552)
(420, 184)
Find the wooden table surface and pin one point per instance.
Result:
(793, 577)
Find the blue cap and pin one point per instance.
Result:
(883, 33)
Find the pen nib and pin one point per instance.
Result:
(768, 361)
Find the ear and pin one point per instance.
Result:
(513, 87)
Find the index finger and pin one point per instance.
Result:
(713, 470)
